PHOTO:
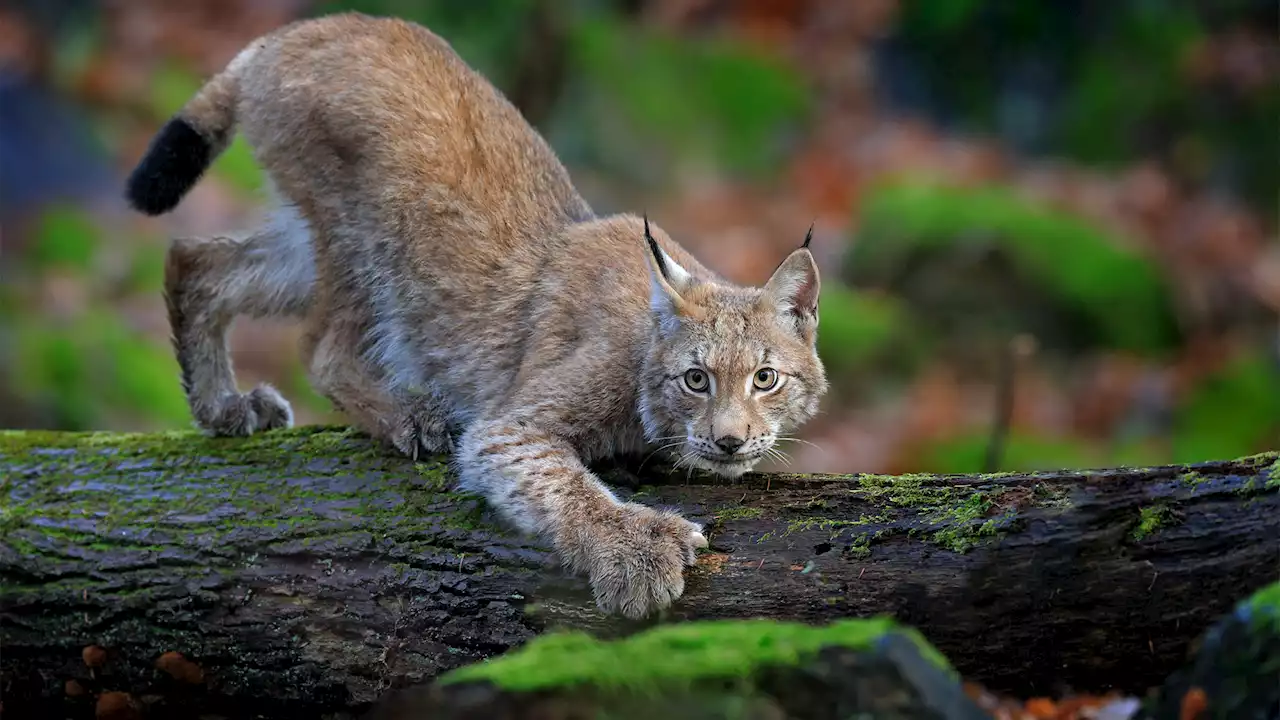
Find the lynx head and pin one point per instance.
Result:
(730, 370)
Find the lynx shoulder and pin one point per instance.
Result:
(458, 294)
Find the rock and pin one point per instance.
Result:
(1234, 674)
(716, 669)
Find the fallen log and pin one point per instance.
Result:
(309, 571)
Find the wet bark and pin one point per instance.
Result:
(310, 571)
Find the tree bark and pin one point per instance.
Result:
(311, 570)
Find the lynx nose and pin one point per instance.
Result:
(729, 444)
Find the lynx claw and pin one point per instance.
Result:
(638, 568)
(243, 414)
(697, 541)
(419, 435)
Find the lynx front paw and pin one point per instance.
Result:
(636, 559)
(244, 414)
(420, 432)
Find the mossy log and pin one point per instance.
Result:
(311, 570)
(699, 670)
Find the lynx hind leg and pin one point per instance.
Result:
(336, 373)
(414, 426)
(208, 283)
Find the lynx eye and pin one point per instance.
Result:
(765, 379)
(696, 380)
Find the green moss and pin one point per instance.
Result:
(1262, 458)
(861, 546)
(917, 505)
(973, 507)
(1268, 596)
(1051, 496)
(1153, 518)
(675, 655)
(1267, 467)
(955, 517)
(1261, 610)
(1193, 479)
(740, 512)
(816, 523)
(1273, 473)
(915, 490)
(224, 490)
(1265, 604)
(962, 532)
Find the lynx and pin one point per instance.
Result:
(458, 295)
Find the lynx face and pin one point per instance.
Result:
(731, 369)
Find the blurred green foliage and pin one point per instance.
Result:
(708, 100)
(1105, 110)
(89, 370)
(1025, 452)
(1235, 412)
(1114, 79)
(865, 335)
(145, 274)
(94, 368)
(1109, 296)
(65, 237)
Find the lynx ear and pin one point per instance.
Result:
(793, 290)
(668, 279)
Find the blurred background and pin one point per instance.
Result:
(1047, 231)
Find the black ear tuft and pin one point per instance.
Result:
(656, 251)
(173, 163)
(808, 236)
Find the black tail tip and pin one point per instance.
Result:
(175, 160)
